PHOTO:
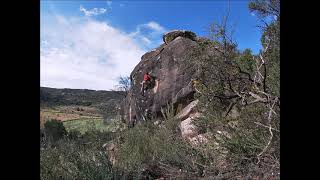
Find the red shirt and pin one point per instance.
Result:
(146, 77)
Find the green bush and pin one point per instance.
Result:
(54, 130)
(74, 134)
(78, 157)
(148, 152)
(70, 160)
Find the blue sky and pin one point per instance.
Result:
(89, 44)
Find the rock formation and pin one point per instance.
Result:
(170, 69)
(169, 66)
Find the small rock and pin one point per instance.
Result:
(199, 139)
(188, 130)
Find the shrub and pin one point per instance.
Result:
(78, 157)
(74, 134)
(148, 152)
(70, 160)
(54, 130)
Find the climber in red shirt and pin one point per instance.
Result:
(145, 82)
(146, 77)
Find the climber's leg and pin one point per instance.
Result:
(146, 86)
(142, 88)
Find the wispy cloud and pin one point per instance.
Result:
(149, 33)
(155, 26)
(146, 40)
(92, 12)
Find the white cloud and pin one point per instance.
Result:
(86, 54)
(150, 27)
(155, 26)
(93, 12)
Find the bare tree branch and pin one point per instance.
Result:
(270, 130)
(257, 123)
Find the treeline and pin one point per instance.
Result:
(84, 97)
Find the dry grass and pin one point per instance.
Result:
(58, 116)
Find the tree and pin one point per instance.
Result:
(248, 83)
(245, 61)
(124, 84)
(265, 8)
(271, 37)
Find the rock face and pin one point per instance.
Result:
(171, 72)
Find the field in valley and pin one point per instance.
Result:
(81, 118)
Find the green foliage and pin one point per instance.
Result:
(170, 122)
(74, 134)
(265, 8)
(77, 156)
(223, 71)
(152, 152)
(246, 62)
(133, 152)
(248, 140)
(70, 160)
(54, 130)
(272, 36)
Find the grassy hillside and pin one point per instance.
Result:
(80, 109)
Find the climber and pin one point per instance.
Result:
(145, 83)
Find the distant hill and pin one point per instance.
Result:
(81, 97)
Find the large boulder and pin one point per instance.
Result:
(170, 36)
(170, 67)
